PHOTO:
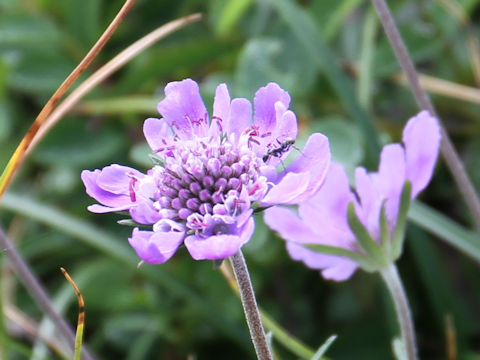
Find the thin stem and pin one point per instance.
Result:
(449, 153)
(250, 307)
(404, 317)
(36, 290)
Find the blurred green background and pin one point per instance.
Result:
(337, 65)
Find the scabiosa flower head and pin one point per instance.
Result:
(322, 219)
(211, 172)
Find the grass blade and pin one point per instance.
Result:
(81, 317)
(440, 225)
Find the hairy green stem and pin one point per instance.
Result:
(449, 153)
(36, 290)
(395, 286)
(252, 314)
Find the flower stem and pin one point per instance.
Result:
(250, 307)
(37, 291)
(395, 286)
(449, 153)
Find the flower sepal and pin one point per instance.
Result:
(128, 222)
(364, 261)
(399, 234)
(375, 253)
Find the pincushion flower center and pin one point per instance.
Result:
(203, 177)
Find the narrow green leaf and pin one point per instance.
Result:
(132, 104)
(365, 262)
(333, 250)
(365, 73)
(305, 30)
(142, 346)
(453, 234)
(399, 235)
(232, 12)
(337, 17)
(323, 349)
(364, 239)
(385, 232)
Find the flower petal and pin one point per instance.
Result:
(155, 247)
(116, 178)
(421, 137)
(288, 190)
(285, 130)
(264, 103)
(326, 211)
(158, 133)
(219, 246)
(104, 197)
(221, 110)
(314, 159)
(183, 109)
(335, 268)
(143, 212)
(100, 209)
(368, 209)
(286, 126)
(289, 226)
(390, 179)
(240, 116)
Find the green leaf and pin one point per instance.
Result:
(256, 66)
(5, 122)
(141, 347)
(39, 73)
(323, 349)
(370, 246)
(78, 147)
(385, 231)
(338, 17)
(131, 104)
(333, 250)
(231, 13)
(364, 261)
(399, 235)
(84, 20)
(27, 32)
(365, 73)
(141, 154)
(468, 242)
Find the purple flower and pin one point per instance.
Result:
(211, 173)
(322, 219)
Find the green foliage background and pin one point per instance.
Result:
(337, 65)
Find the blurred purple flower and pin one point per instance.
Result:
(210, 173)
(322, 219)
